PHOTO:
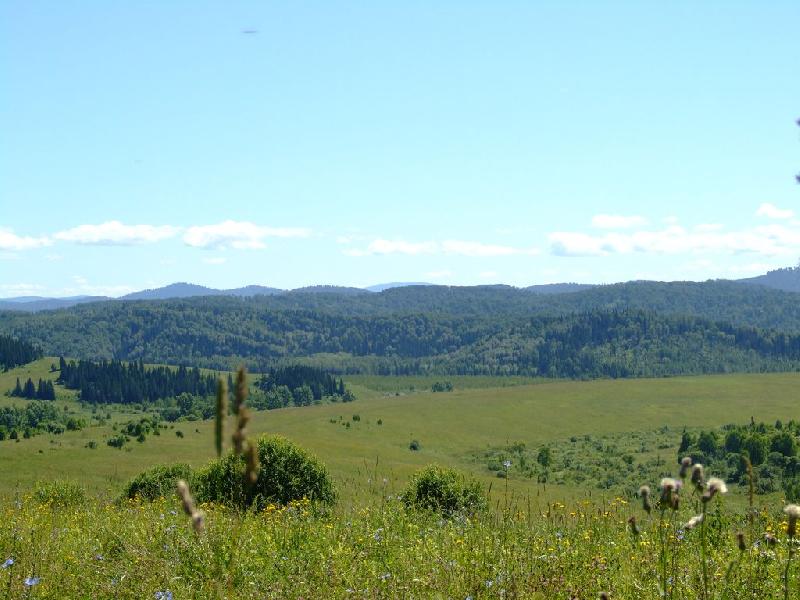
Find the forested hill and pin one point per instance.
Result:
(222, 332)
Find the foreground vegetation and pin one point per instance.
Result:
(58, 545)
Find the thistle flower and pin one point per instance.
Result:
(669, 492)
(693, 522)
(714, 486)
(644, 494)
(698, 476)
(793, 512)
(686, 464)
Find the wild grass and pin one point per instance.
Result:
(384, 550)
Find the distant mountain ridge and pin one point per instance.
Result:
(787, 280)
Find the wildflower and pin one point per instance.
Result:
(669, 492)
(714, 486)
(31, 581)
(686, 464)
(165, 595)
(793, 512)
(8, 562)
(385, 576)
(644, 494)
(770, 540)
(698, 476)
(694, 522)
(507, 464)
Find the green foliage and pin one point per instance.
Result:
(60, 493)
(446, 491)
(414, 445)
(288, 473)
(158, 481)
(442, 386)
(14, 352)
(478, 331)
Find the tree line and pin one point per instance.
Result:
(131, 383)
(45, 390)
(15, 352)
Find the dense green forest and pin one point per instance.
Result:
(624, 330)
(14, 352)
(132, 383)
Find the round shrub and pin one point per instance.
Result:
(288, 472)
(157, 481)
(445, 491)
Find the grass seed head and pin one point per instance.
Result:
(253, 467)
(222, 413)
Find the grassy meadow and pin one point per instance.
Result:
(452, 428)
(538, 540)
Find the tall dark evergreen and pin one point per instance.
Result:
(15, 352)
(132, 383)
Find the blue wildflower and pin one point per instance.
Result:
(8, 562)
(31, 581)
(165, 595)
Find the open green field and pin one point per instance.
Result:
(452, 428)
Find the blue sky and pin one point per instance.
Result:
(361, 142)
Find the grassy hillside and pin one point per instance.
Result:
(452, 428)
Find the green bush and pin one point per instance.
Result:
(288, 472)
(59, 493)
(157, 481)
(445, 491)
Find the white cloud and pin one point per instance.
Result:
(773, 212)
(381, 246)
(11, 241)
(241, 235)
(617, 221)
(10, 290)
(114, 233)
(451, 247)
(767, 240)
(215, 260)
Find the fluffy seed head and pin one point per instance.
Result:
(793, 512)
(693, 522)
